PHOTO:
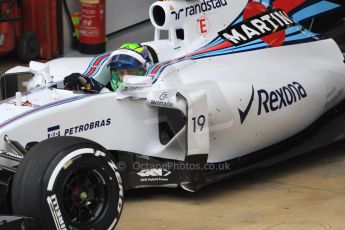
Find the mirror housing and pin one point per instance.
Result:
(41, 77)
(131, 81)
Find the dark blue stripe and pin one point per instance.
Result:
(53, 128)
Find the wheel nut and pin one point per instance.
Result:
(83, 196)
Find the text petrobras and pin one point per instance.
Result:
(206, 5)
(54, 131)
(257, 27)
(270, 101)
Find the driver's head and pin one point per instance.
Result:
(130, 59)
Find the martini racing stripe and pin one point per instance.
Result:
(299, 37)
(294, 37)
(296, 7)
(41, 108)
(293, 34)
(95, 65)
(221, 45)
(315, 9)
(156, 69)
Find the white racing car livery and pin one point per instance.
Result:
(238, 84)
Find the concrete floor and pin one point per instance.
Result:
(307, 192)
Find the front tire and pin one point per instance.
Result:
(68, 183)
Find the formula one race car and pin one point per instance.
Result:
(238, 84)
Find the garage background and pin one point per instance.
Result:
(120, 14)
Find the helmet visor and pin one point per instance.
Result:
(123, 61)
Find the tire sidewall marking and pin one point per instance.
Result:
(54, 204)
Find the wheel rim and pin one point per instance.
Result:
(85, 194)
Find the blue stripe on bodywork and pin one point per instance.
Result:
(99, 67)
(41, 108)
(94, 61)
(314, 10)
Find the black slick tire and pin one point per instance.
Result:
(68, 183)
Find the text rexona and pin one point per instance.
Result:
(270, 101)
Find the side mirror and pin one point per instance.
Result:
(41, 73)
(38, 67)
(131, 81)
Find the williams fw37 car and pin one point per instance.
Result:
(239, 84)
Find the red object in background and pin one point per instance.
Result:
(40, 17)
(92, 26)
(9, 26)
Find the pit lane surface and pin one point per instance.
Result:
(307, 192)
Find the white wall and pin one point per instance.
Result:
(123, 13)
(119, 15)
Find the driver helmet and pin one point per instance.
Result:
(130, 59)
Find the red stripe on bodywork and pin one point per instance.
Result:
(222, 45)
(38, 109)
(95, 65)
